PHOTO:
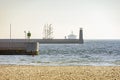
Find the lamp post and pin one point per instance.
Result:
(25, 34)
(10, 31)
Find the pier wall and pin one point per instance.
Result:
(19, 48)
(29, 46)
(45, 41)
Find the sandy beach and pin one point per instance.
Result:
(13, 72)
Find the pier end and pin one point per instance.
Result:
(81, 36)
(19, 48)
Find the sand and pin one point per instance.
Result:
(16, 72)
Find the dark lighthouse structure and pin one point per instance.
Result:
(81, 36)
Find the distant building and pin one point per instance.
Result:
(72, 36)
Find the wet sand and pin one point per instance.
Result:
(15, 72)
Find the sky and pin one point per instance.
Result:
(100, 19)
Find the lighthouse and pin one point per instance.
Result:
(81, 36)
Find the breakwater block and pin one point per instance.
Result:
(19, 48)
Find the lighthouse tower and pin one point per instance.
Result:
(81, 36)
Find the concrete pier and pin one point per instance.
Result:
(45, 41)
(19, 48)
(31, 46)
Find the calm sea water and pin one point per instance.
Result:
(92, 52)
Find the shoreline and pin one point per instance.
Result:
(26, 72)
(58, 65)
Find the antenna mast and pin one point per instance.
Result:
(10, 31)
(48, 31)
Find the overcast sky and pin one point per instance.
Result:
(100, 19)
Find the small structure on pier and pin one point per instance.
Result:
(72, 36)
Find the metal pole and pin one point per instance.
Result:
(10, 38)
(25, 34)
(10, 31)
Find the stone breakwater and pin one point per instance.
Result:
(19, 48)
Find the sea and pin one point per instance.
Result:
(91, 53)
